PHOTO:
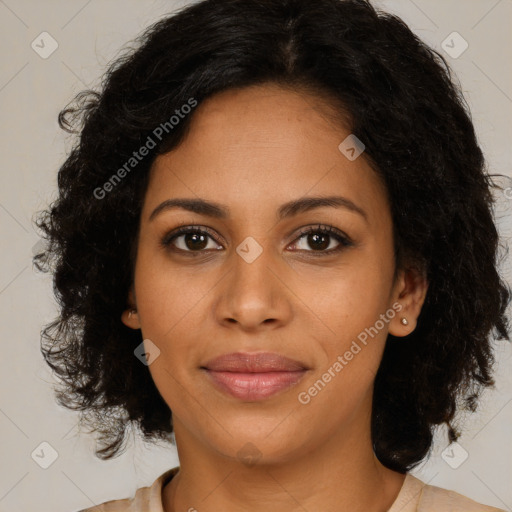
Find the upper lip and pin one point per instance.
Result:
(260, 362)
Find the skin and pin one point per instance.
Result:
(252, 150)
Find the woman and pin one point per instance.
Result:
(276, 225)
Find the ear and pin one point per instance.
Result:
(130, 316)
(409, 291)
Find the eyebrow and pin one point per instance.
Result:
(290, 209)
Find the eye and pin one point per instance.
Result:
(192, 239)
(320, 238)
(189, 239)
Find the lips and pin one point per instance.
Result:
(254, 376)
(245, 362)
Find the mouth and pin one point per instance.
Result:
(253, 376)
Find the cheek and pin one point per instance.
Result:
(168, 296)
(358, 321)
(355, 308)
(352, 299)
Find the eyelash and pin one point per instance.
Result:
(344, 241)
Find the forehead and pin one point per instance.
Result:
(260, 147)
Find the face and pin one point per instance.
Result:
(311, 282)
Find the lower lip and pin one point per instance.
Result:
(255, 386)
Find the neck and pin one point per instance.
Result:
(338, 473)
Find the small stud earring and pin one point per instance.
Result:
(131, 312)
(404, 321)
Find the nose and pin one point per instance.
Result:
(254, 295)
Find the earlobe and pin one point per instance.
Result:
(411, 292)
(402, 324)
(130, 318)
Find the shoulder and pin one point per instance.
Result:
(432, 498)
(146, 499)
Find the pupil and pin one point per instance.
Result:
(194, 238)
(315, 238)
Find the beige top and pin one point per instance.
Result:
(414, 496)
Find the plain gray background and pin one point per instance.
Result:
(33, 90)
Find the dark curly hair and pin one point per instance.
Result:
(402, 103)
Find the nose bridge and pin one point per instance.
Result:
(252, 277)
(252, 293)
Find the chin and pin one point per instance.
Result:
(264, 443)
